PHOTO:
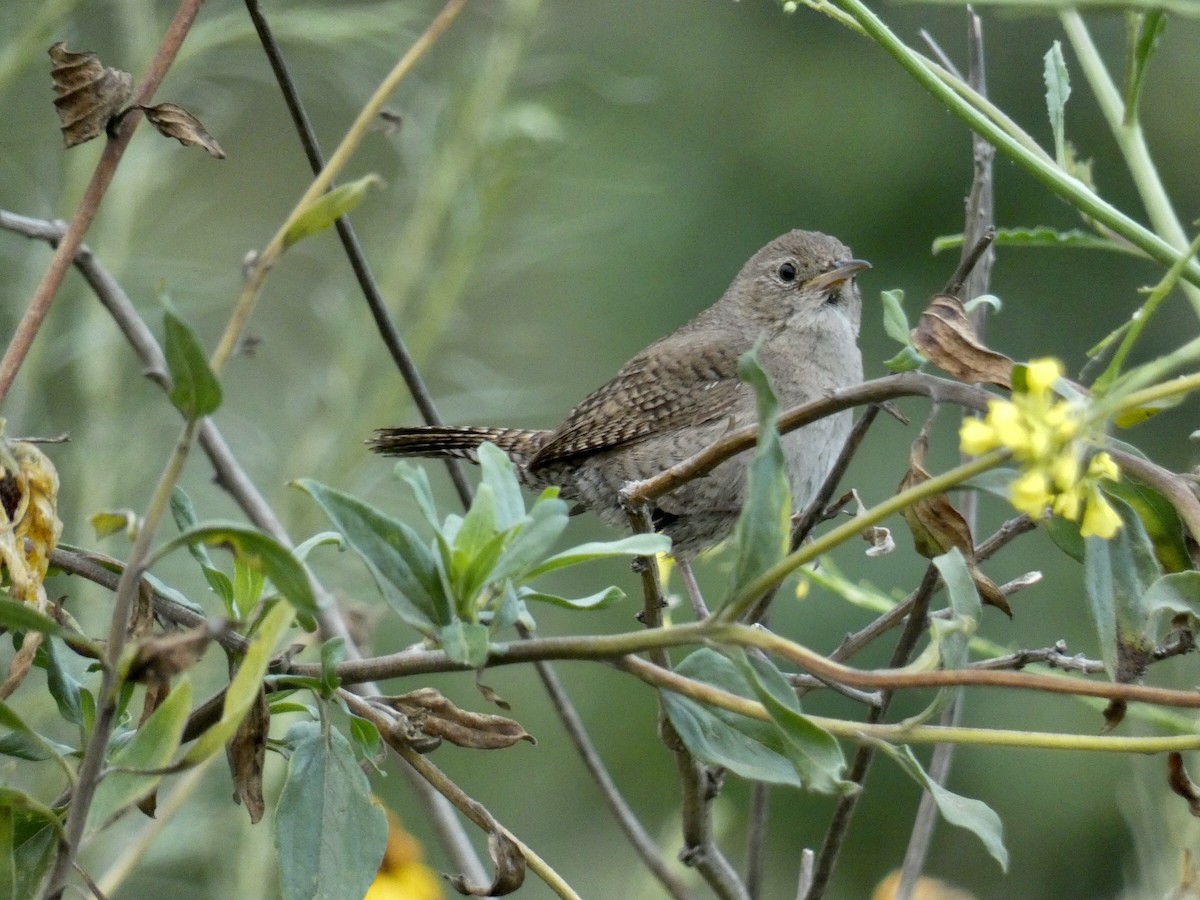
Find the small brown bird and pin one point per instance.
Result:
(798, 294)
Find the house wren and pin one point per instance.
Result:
(683, 392)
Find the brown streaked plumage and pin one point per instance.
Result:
(682, 393)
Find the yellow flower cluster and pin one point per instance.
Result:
(1045, 435)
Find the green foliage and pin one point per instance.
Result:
(763, 529)
(152, 747)
(320, 215)
(329, 833)
(473, 576)
(195, 390)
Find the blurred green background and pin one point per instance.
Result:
(571, 181)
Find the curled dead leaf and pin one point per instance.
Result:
(508, 861)
(1181, 783)
(173, 121)
(246, 754)
(88, 93)
(29, 523)
(159, 659)
(945, 336)
(937, 526)
(431, 712)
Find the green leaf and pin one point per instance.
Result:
(599, 600)
(195, 390)
(1144, 31)
(964, 604)
(542, 527)
(465, 642)
(1117, 574)
(634, 545)
(814, 753)
(185, 518)
(152, 747)
(1058, 90)
(908, 359)
(333, 651)
(895, 320)
(402, 566)
(22, 617)
(256, 550)
(1041, 236)
(35, 840)
(318, 540)
(763, 528)
(23, 742)
(320, 215)
(243, 689)
(973, 815)
(500, 476)
(106, 523)
(247, 586)
(329, 833)
(1160, 519)
(64, 688)
(8, 862)
(749, 747)
(418, 482)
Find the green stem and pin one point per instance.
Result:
(750, 593)
(1131, 140)
(1078, 194)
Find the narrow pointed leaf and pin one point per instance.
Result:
(320, 215)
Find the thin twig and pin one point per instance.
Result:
(89, 205)
(860, 767)
(388, 332)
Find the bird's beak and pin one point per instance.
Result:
(842, 272)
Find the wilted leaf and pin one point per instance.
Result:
(436, 716)
(246, 754)
(937, 526)
(328, 208)
(88, 94)
(1181, 783)
(173, 121)
(508, 861)
(159, 659)
(946, 337)
(244, 688)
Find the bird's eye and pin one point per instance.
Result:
(787, 272)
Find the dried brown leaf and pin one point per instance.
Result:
(89, 94)
(937, 526)
(247, 754)
(509, 863)
(173, 121)
(945, 336)
(161, 658)
(436, 716)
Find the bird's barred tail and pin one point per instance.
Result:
(460, 443)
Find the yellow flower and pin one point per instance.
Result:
(1041, 374)
(1099, 518)
(977, 437)
(1045, 435)
(1030, 493)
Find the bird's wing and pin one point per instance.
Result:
(687, 378)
